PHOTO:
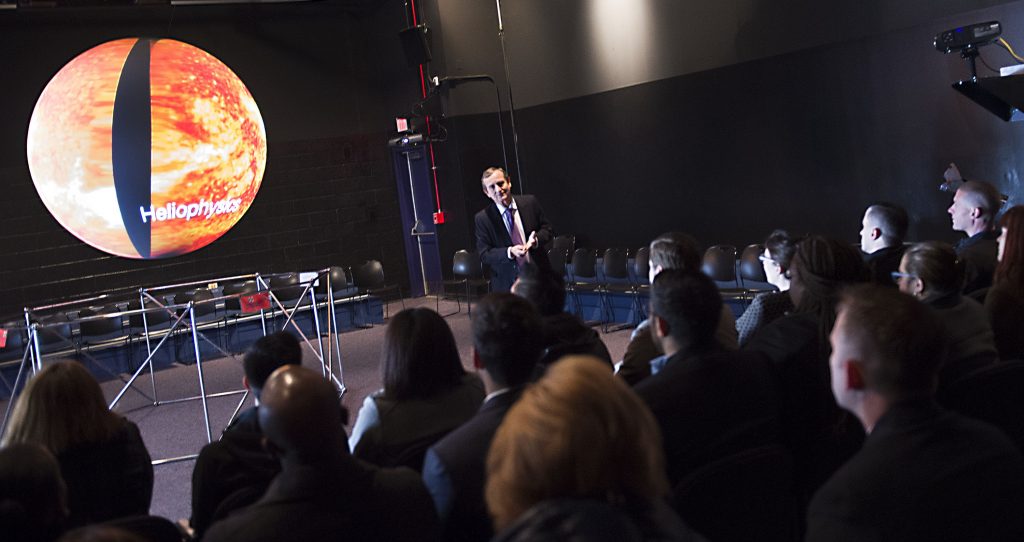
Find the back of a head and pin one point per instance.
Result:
(507, 337)
(891, 219)
(33, 498)
(825, 266)
(984, 196)
(579, 432)
(61, 406)
(690, 303)
(901, 341)
(781, 247)
(541, 287)
(267, 354)
(937, 265)
(300, 414)
(675, 250)
(1010, 271)
(419, 358)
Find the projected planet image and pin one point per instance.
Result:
(146, 148)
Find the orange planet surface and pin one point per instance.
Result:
(207, 150)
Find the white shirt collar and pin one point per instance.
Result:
(502, 208)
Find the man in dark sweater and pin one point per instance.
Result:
(506, 347)
(234, 472)
(923, 473)
(973, 212)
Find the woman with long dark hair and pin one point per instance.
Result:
(426, 392)
(821, 435)
(1005, 300)
(102, 458)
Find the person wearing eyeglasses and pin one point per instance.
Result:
(778, 253)
(933, 273)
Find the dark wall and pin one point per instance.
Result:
(803, 140)
(327, 76)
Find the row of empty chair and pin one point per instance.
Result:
(619, 272)
(118, 320)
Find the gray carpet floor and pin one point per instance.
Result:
(177, 429)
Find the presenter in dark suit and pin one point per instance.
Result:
(509, 232)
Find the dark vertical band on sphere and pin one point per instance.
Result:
(130, 145)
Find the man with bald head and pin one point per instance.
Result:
(323, 492)
(973, 212)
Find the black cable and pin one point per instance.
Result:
(990, 68)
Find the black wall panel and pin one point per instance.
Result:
(803, 141)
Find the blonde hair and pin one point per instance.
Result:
(578, 432)
(60, 407)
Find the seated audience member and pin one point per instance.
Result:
(820, 434)
(564, 333)
(932, 273)
(506, 346)
(671, 250)
(1005, 300)
(778, 254)
(709, 402)
(33, 497)
(578, 457)
(102, 457)
(426, 393)
(234, 472)
(973, 212)
(322, 492)
(923, 473)
(882, 231)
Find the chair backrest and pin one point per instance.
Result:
(744, 496)
(338, 279)
(994, 394)
(369, 276)
(616, 264)
(466, 264)
(750, 264)
(583, 264)
(237, 289)
(54, 329)
(565, 242)
(203, 304)
(558, 258)
(105, 326)
(286, 287)
(155, 315)
(642, 264)
(16, 337)
(720, 263)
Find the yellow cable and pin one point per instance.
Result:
(1010, 49)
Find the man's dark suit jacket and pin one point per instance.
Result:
(231, 473)
(493, 239)
(346, 500)
(712, 405)
(924, 474)
(979, 255)
(454, 471)
(881, 263)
